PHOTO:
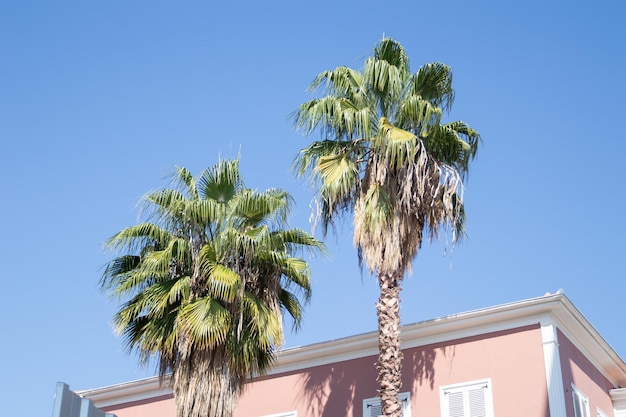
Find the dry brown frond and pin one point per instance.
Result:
(421, 196)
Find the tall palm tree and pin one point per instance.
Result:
(205, 281)
(386, 158)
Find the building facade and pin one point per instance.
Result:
(534, 358)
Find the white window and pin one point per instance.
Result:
(602, 413)
(288, 414)
(469, 399)
(581, 403)
(373, 408)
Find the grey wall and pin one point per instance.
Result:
(69, 404)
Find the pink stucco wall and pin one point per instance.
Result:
(580, 372)
(513, 359)
(162, 406)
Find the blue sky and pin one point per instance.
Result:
(100, 100)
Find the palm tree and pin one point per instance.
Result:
(386, 158)
(205, 281)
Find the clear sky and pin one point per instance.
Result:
(99, 100)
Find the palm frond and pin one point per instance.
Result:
(221, 181)
(340, 117)
(342, 81)
(433, 82)
(395, 145)
(292, 306)
(454, 144)
(294, 240)
(254, 208)
(417, 115)
(166, 205)
(117, 268)
(392, 52)
(134, 238)
(222, 282)
(205, 322)
(261, 321)
(184, 178)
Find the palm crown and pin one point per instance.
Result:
(385, 152)
(205, 283)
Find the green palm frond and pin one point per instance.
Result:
(293, 306)
(180, 291)
(297, 272)
(201, 212)
(166, 205)
(183, 177)
(221, 181)
(453, 143)
(418, 115)
(392, 52)
(386, 73)
(142, 277)
(261, 321)
(130, 283)
(293, 240)
(117, 268)
(134, 238)
(342, 81)
(205, 322)
(339, 175)
(335, 165)
(255, 208)
(151, 336)
(433, 82)
(385, 79)
(341, 117)
(306, 161)
(222, 282)
(395, 144)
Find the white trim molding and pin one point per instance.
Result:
(618, 396)
(552, 363)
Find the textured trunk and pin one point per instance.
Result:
(389, 363)
(205, 387)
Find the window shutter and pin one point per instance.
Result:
(373, 408)
(455, 404)
(471, 399)
(477, 402)
(581, 404)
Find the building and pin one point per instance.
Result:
(533, 358)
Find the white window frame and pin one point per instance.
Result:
(464, 389)
(369, 403)
(580, 399)
(285, 414)
(601, 413)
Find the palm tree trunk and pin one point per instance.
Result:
(389, 365)
(205, 387)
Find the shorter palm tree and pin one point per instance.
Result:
(205, 282)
